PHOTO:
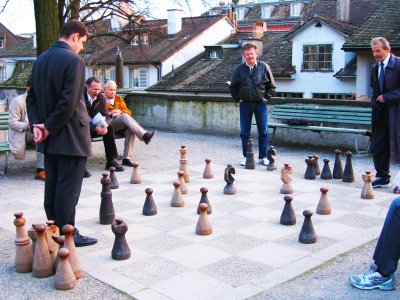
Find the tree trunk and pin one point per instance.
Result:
(47, 23)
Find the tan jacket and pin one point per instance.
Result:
(18, 126)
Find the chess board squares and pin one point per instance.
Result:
(160, 243)
(339, 231)
(233, 222)
(269, 231)
(13, 206)
(230, 205)
(217, 168)
(135, 231)
(360, 221)
(167, 222)
(376, 211)
(104, 242)
(233, 242)
(188, 233)
(149, 294)
(259, 198)
(293, 242)
(261, 213)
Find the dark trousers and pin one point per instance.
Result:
(387, 251)
(109, 143)
(64, 175)
(381, 143)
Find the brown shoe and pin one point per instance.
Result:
(148, 136)
(41, 175)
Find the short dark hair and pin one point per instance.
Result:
(73, 26)
(92, 79)
(248, 46)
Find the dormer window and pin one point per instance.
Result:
(295, 9)
(239, 13)
(266, 11)
(142, 39)
(214, 52)
(2, 43)
(135, 40)
(145, 39)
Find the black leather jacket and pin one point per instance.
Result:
(252, 85)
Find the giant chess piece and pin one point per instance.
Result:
(310, 171)
(250, 161)
(60, 241)
(288, 217)
(286, 186)
(120, 250)
(204, 199)
(324, 207)
(23, 251)
(208, 172)
(114, 181)
(307, 234)
(52, 230)
(135, 177)
(348, 175)
(229, 188)
(42, 263)
(65, 277)
(183, 164)
(203, 226)
(33, 236)
(326, 171)
(106, 213)
(271, 154)
(69, 243)
(367, 191)
(316, 165)
(149, 206)
(177, 198)
(181, 179)
(337, 167)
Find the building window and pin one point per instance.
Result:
(317, 57)
(142, 39)
(295, 9)
(95, 73)
(135, 40)
(266, 11)
(145, 39)
(2, 43)
(239, 13)
(112, 74)
(332, 96)
(3, 74)
(138, 77)
(288, 95)
(215, 54)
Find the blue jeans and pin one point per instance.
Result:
(260, 111)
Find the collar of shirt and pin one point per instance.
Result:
(251, 68)
(90, 99)
(385, 63)
(111, 101)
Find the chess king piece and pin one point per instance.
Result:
(106, 213)
(310, 171)
(60, 241)
(208, 172)
(52, 230)
(135, 178)
(250, 161)
(114, 181)
(229, 188)
(337, 167)
(70, 245)
(65, 277)
(271, 154)
(286, 186)
(183, 164)
(324, 207)
(149, 207)
(204, 199)
(120, 250)
(326, 171)
(42, 263)
(23, 251)
(307, 234)
(288, 217)
(367, 191)
(348, 175)
(316, 165)
(33, 236)
(177, 198)
(203, 226)
(181, 179)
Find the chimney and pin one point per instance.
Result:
(174, 22)
(258, 29)
(343, 10)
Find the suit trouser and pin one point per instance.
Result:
(109, 143)
(64, 175)
(131, 129)
(381, 143)
(387, 251)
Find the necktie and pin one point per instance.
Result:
(381, 76)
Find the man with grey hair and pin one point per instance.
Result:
(122, 121)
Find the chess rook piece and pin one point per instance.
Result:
(286, 186)
(310, 171)
(316, 165)
(183, 164)
(65, 277)
(181, 179)
(367, 191)
(337, 167)
(70, 245)
(135, 178)
(106, 213)
(120, 250)
(229, 188)
(326, 171)
(42, 263)
(177, 198)
(204, 199)
(114, 181)
(250, 162)
(203, 226)
(33, 236)
(23, 251)
(52, 230)
(60, 241)
(307, 234)
(208, 172)
(324, 207)
(271, 154)
(149, 207)
(288, 217)
(348, 175)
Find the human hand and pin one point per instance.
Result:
(380, 99)
(115, 113)
(40, 133)
(101, 130)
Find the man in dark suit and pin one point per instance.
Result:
(60, 124)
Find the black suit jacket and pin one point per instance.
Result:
(98, 106)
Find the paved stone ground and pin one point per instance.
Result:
(248, 255)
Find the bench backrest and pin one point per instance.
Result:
(3, 120)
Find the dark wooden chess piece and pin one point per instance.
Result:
(229, 188)
(307, 234)
(288, 217)
(348, 175)
(324, 207)
(286, 185)
(271, 154)
(65, 277)
(33, 236)
(177, 198)
(135, 177)
(183, 164)
(23, 251)
(114, 181)
(149, 207)
(310, 171)
(52, 230)
(250, 161)
(42, 265)
(70, 245)
(204, 199)
(326, 171)
(208, 172)
(316, 165)
(60, 241)
(120, 250)
(337, 168)
(106, 213)
(181, 179)
(367, 191)
(203, 226)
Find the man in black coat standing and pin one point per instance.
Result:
(60, 124)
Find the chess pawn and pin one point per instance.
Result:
(69, 243)
(271, 154)
(106, 213)
(181, 179)
(348, 175)
(33, 236)
(324, 207)
(177, 198)
(23, 251)
(307, 234)
(135, 178)
(203, 226)
(250, 162)
(52, 230)
(310, 171)
(316, 165)
(229, 188)
(120, 250)
(204, 199)
(65, 277)
(42, 263)
(183, 164)
(326, 171)
(367, 191)
(114, 181)
(208, 172)
(183, 152)
(288, 217)
(337, 167)
(149, 207)
(286, 186)
(60, 241)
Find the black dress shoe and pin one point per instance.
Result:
(127, 162)
(148, 136)
(81, 240)
(87, 174)
(114, 164)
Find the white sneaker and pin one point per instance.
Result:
(263, 161)
(243, 161)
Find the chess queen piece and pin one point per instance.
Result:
(183, 164)
(42, 265)
(367, 191)
(65, 277)
(316, 165)
(181, 179)
(149, 206)
(348, 175)
(177, 198)
(120, 250)
(23, 251)
(135, 178)
(271, 154)
(250, 161)
(114, 181)
(69, 243)
(229, 188)
(288, 217)
(52, 230)
(337, 167)
(310, 171)
(208, 172)
(307, 234)
(204, 199)
(106, 213)
(326, 171)
(324, 207)
(286, 186)
(203, 226)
